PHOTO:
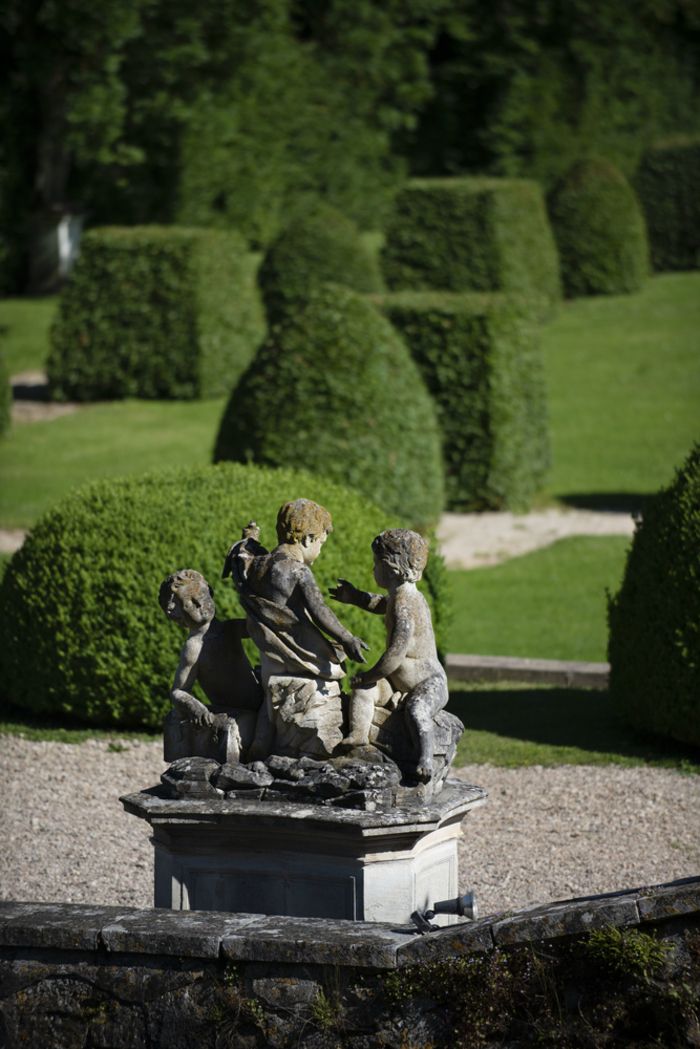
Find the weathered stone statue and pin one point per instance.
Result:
(214, 656)
(291, 625)
(408, 678)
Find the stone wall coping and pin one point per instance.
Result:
(565, 673)
(320, 941)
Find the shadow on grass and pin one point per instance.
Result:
(558, 717)
(16, 722)
(615, 502)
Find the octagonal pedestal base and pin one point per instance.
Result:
(305, 860)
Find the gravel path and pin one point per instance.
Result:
(545, 833)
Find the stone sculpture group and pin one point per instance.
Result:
(288, 725)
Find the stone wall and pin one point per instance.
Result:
(616, 970)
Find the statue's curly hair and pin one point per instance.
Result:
(189, 581)
(403, 551)
(300, 518)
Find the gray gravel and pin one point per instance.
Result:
(545, 833)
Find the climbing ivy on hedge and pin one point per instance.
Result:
(654, 619)
(81, 631)
(155, 312)
(668, 184)
(479, 356)
(319, 246)
(471, 234)
(335, 389)
(600, 231)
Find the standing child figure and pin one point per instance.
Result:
(410, 662)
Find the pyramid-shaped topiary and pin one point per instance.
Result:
(335, 391)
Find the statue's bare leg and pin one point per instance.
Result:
(361, 712)
(421, 704)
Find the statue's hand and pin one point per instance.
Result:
(198, 714)
(354, 649)
(344, 592)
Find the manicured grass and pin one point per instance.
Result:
(549, 604)
(24, 331)
(40, 462)
(48, 731)
(623, 374)
(511, 725)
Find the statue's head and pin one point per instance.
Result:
(187, 598)
(402, 553)
(305, 523)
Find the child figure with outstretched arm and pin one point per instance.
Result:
(410, 663)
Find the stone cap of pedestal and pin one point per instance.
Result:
(453, 802)
(321, 941)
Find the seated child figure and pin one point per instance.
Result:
(214, 656)
(410, 662)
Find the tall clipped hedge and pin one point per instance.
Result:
(319, 246)
(81, 630)
(155, 311)
(668, 184)
(471, 234)
(600, 230)
(334, 389)
(480, 358)
(654, 619)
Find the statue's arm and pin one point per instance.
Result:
(185, 676)
(350, 595)
(326, 619)
(395, 653)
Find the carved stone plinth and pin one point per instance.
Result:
(306, 860)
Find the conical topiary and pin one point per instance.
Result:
(335, 391)
(319, 246)
(600, 231)
(654, 645)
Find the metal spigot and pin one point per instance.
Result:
(464, 906)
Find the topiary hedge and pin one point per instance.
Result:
(668, 184)
(334, 389)
(471, 234)
(320, 246)
(654, 619)
(5, 397)
(480, 358)
(152, 311)
(600, 231)
(81, 631)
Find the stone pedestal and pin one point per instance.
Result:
(305, 860)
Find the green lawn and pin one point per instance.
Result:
(522, 725)
(40, 462)
(548, 605)
(24, 331)
(623, 374)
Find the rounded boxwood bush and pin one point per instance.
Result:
(654, 643)
(81, 631)
(335, 389)
(600, 231)
(319, 246)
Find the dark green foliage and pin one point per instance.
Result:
(320, 246)
(471, 234)
(600, 231)
(668, 185)
(654, 644)
(335, 389)
(155, 312)
(523, 88)
(5, 397)
(479, 356)
(81, 631)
